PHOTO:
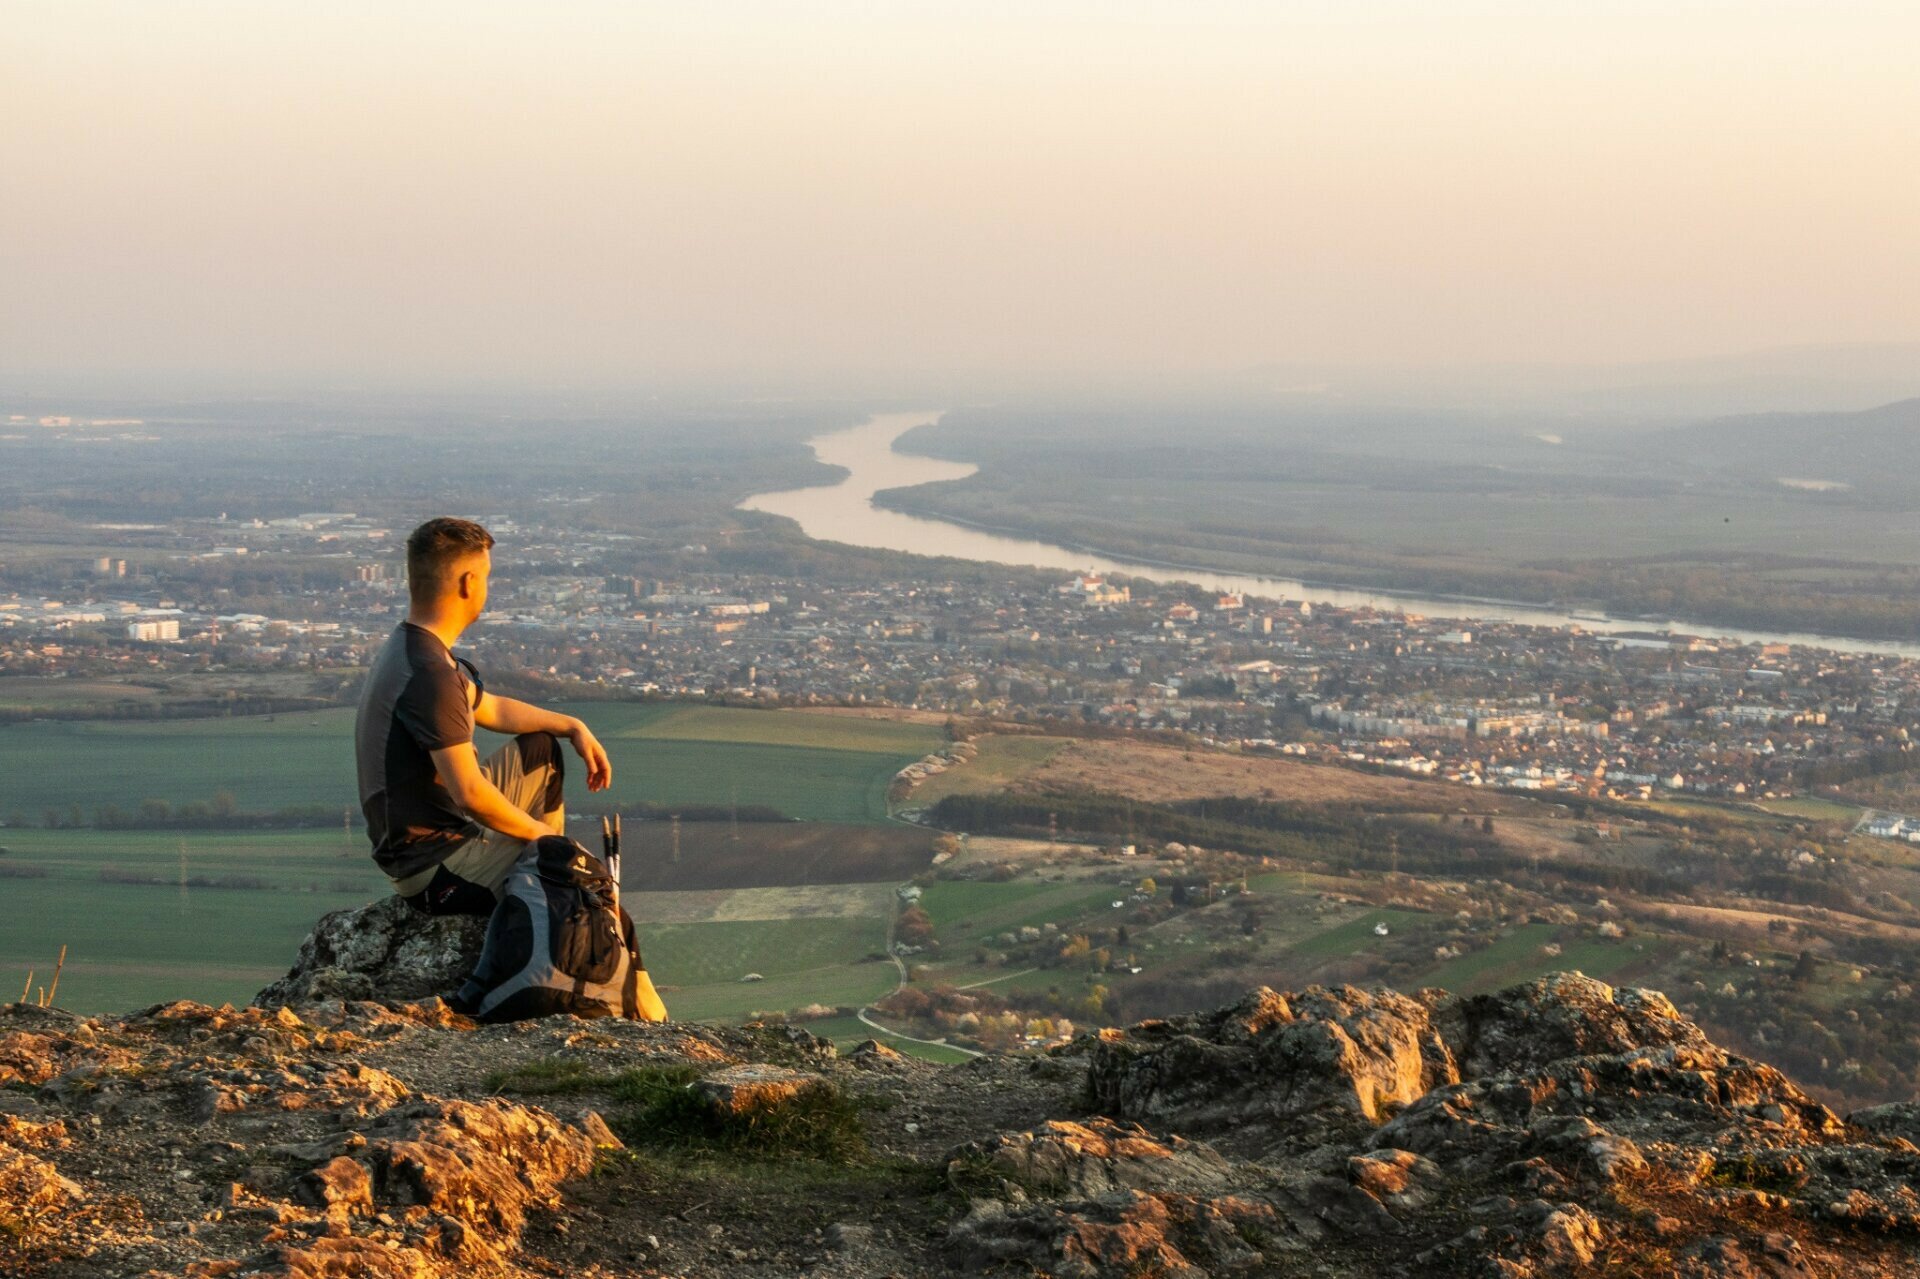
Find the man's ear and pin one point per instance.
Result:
(462, 582)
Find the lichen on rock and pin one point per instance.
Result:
(383, 951)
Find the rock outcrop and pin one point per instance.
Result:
(385, 950)
(1559, 1128)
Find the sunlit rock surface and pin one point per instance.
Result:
(1558, 1128)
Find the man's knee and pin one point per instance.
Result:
(542, 750)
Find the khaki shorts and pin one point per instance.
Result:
(529, 771)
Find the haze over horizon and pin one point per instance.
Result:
(618, 194)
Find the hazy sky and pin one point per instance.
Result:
(625, 191)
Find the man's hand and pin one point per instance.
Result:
(588, 747)
(504, 715)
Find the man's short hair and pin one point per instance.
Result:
(435, 547)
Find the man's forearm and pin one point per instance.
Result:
(488, 806)
(515, 717)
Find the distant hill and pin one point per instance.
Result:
(1871, 450)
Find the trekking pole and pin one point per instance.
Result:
(610, 848)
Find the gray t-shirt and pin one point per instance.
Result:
(418, 698)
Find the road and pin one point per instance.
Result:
(900, 981)
(894, 1034)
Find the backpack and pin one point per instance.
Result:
(559, 942)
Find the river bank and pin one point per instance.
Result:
(847, 512)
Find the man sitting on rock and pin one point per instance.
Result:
(446, 825)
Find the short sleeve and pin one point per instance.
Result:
(433, 707)
(476, 687)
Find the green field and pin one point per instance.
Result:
(813, 767)
(134, 944)
(1812, 806)
(131, 944)
(802, 961)
(672, 722)
(1517, 957)
(266, 762)
(965, 911)
(1356, 934)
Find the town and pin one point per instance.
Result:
(1616, 716)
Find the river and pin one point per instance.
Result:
(845, 512)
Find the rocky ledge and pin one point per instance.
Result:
(1556, 1128)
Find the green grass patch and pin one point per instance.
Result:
(660, 1107)
(1355, 935)
(837, 987)
(967, 910)
(265, 762)
(1814, 808)
(547, 1076)
(1518, 957)
(828, 768)
(802, 782)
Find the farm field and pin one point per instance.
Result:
(801, 962)
(812, 767)
(34, 692)
(738, 905)
(252, 896)
(675, 722)
(1518, 957)
(717, 855)
(1153, 773)
(1003, 760)
(1820, 810)
(1345, 939)
(132, 944)
(266, 762)
(156, 692)
(815, 945)
(964, 912)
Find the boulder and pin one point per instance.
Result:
(1396, 1178)
(871, 1054)
(1086, 1160)
(747, 1089)
(1557, 1016)
(1117, 1236)
(382, 951)
(1346, 1054)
